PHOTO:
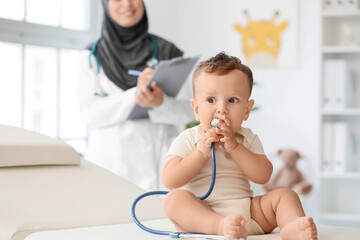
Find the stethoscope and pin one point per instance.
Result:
(99, 91)
(214, 123)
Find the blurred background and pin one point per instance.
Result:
(40, 41)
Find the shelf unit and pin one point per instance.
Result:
(351, 112)
(339, 170)
(348, 175)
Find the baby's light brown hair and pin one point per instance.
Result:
(222, 64)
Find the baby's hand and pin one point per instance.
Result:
(205, 143)
(227, 137)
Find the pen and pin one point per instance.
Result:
(134, 73)
(137, 73)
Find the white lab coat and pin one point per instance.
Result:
(133, 149)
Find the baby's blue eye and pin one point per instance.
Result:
(233, 100)
(211, 100)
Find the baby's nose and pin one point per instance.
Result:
(222, 109)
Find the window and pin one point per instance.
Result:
(11, 84)
(40, 95)
(12, 9)
(38, 61)
(72, 14)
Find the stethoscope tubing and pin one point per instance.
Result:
(214, 123)
(176, 234)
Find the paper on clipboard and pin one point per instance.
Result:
(170, 75)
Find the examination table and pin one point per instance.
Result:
(48, 192)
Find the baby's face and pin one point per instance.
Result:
(220, 96)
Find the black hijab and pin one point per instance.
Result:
(121, 49)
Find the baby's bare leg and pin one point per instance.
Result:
(282, 208)
(189, 214)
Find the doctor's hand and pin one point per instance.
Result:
(144, 96)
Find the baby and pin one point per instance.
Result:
(222, 87)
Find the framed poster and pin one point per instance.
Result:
(264, 33)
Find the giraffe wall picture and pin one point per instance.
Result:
(261, 40)
(265, 36)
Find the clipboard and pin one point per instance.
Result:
(170, 75)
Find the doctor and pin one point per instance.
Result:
(133, 149)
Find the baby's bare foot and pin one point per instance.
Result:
(233, 226)
(301, 228)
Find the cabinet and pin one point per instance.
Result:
(339, 170)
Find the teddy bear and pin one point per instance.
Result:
(289, 176)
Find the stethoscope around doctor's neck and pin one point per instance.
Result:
(99, 91)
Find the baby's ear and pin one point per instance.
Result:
(195, 108)
(280, 151)
(298, 155)
(249, 106)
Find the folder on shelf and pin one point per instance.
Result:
(327, 143)
(170, 75)
(335, 84)
(336, 147)
(340, 5)
(340, 147)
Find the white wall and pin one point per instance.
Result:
(288, 97)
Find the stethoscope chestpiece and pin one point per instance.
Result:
(152, 62)
(214, 122)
